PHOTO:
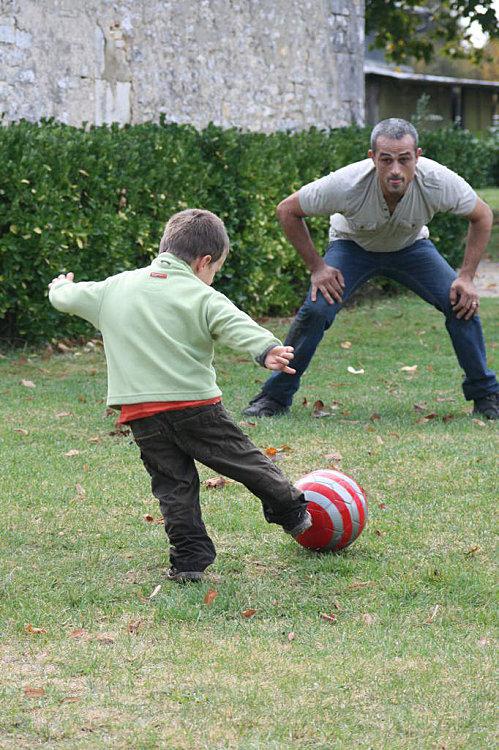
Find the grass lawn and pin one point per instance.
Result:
(491, 196)
(408, 661)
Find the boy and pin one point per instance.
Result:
(158, 325)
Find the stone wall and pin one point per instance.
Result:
(258, 64)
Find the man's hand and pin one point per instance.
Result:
(278, 358)
(62, 277)
(330, 282)
(464, 298)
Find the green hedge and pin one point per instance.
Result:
(95, 201)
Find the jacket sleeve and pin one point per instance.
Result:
(235, 329)
(83, 299)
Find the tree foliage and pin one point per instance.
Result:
(410, 29)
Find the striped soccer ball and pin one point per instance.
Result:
(338, 508)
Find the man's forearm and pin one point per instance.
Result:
(296, 231)
(476, 242)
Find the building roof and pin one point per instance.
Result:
(371, 68)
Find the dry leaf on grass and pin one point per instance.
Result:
(247, 424)
(133, 626)
(248, 613)
(353, 371)
(318, 410)
(155, 592)
(358, 585)
(148, 517)
(420, 407)
(291, 636)
(70, 699)
(21, 431)
(72, 452)
(329, 617)
(210, 597)
(473, 550)
(78, 633)
(28, 384)
(105, 638)
(95, 439)
(380, 440)
(33, 692)
(333, 457)
(31, 630)
(479, 422)
(216, 482)
(61, 414)
(409, 368)
(346, 344)
(375, 417)
(80, 490)
(433, 614)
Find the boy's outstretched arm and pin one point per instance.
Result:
(82, 299)
(279, 358)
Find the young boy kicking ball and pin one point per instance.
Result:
(158, 325)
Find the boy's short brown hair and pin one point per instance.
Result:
(192, 233)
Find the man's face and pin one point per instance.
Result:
(395, 162)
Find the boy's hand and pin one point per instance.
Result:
(62, 277)
(278, 358)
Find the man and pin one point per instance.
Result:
(379, 208)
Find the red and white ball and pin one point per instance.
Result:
(338, 508)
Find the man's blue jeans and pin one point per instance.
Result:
(419, 267)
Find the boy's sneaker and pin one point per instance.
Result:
(264, 406)
(488, 406)
(184, 576)
(304, 525)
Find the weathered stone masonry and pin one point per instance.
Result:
(258, 64)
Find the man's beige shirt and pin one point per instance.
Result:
(353, 197)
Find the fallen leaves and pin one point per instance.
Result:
(328, 617)
(319, 411)
(148, 518)
(409, 368)
(155, 592)
(21, 431)
(333, 457)
(433, 614)
(210, 597)
(479, 422)
(353, 371)
(62, 414)
(346, 344)
(217, 482)
(33, 692)
(71, 453)
(32, 630)
(248, 613)
(78, 633)
(28, 384)
(133, 626)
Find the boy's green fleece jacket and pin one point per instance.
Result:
(158, 325)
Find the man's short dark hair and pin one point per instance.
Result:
(192, 233)
(395, 129)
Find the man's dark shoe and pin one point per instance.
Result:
(184, 576)
(264, 406)
(488, 406)
(305, 523)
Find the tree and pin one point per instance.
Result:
(407, 30)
